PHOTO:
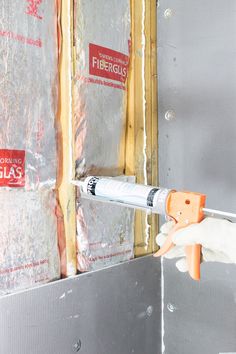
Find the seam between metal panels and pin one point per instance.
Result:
(162, 307)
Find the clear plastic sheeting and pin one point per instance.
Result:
(107, 237)
(102, 37)
(28, 250)
(28, 93)
(102, 41)
(28, 157)
(105, 233)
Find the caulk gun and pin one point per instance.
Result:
(184, 208)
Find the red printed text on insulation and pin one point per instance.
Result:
(33, 8)
(12, 168)
(108, 63)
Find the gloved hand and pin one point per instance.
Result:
(217, 237)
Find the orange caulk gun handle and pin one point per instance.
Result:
(185, 208)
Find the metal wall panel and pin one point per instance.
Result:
(111, 311)
(197, 93)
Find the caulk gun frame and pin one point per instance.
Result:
(149, 209)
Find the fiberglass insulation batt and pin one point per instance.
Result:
(105, 233)
(28, 103)
(28, 92)
(28, 234)
(102, 41)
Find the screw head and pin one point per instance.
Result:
(77, 346)
(170, 115)
(168, 13)
(149, 311)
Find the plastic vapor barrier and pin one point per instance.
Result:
(102, 41)
(28, 251)
(108, 237)
(102, 37)
(105, 233)
(28, 157)
(28, 93)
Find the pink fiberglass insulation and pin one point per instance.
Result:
(105, 233)
(28, 157)
(28, 250)
(102, 40)
(28, 93)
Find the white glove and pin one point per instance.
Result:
(217, 237)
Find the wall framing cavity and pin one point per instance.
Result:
(141, 136)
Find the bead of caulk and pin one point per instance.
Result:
(170, 115)
(168, 13)
(186, 221)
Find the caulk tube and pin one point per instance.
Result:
(130, 193)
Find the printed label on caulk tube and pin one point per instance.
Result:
(151, 196)
(120, 191)
(92, 182)
(129, 193)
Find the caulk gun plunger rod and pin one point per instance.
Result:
(215, 213)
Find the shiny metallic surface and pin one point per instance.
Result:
(100, 101)
(105, 234)
(29, 246)
(197, 79)
(102, 35)
(29, 87)
(219, 214)
(113, 311)
(105, 231)
(28, 106)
